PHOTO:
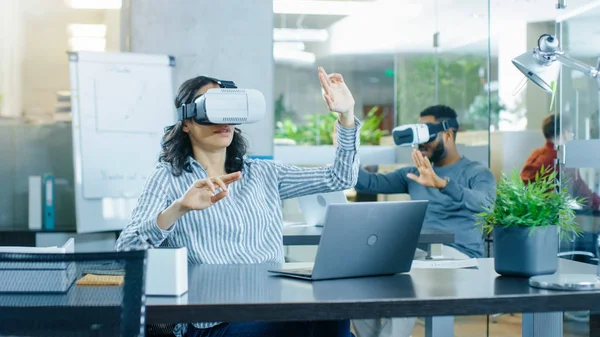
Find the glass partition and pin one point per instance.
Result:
(579, 111)
(397, 58)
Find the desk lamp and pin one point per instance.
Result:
(542, 67)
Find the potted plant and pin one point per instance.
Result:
(526, 221)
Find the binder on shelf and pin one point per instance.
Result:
(35, 203)
(48, 207)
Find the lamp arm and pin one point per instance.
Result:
(598, 76)
(577, 65)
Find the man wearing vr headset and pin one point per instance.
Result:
(225, 208)
(456, 187)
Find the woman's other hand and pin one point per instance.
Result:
(203, 193)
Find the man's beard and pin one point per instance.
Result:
(438, 153)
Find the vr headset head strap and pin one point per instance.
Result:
(226, 84)
(443, 126)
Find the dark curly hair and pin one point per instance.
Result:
(176, 146)
(441, 113)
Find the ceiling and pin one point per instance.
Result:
(369, 41)
(310, 21)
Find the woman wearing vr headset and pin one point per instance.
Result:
(225, 208)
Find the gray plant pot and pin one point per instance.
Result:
(519, 251)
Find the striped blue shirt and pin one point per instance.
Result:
(247, 225)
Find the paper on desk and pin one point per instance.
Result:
(52, 249)
(296, 224)
(68, 247)
(445, 264)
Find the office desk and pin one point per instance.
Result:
(248, 293)
(306, 236)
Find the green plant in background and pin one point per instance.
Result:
(370, 133)
(280, 111)
(538, 204)
(286, 129)
(459, 82)
(318, 129)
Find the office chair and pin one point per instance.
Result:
(81, 310)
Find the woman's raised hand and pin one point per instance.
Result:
(337, 95)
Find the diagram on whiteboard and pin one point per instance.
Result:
(124, 107)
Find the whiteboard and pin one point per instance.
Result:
(121, 103)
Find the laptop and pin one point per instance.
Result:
(314, 206)
(365, 239)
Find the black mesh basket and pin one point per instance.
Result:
(39, 294)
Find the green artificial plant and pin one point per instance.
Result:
(539, 203)
(370, 133)
(280, 110)
(318, 129)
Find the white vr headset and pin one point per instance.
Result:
(225, 105)
(415, 134)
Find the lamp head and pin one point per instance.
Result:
(540, 65)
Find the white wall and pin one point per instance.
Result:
(225, 39)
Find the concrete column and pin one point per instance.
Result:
(230, 40)
(511, 42)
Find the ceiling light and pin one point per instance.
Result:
(293, 56)
(86, 30)
(306, 35)
(290, 45)
(87, 44)
(321, 7)
(95, 4)
(345, 8)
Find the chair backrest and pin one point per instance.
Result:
(81, 294)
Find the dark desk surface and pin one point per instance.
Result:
(304, 236)
(248, 292)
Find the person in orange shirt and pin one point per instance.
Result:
(546, 155)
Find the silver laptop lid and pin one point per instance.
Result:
(369, 238)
